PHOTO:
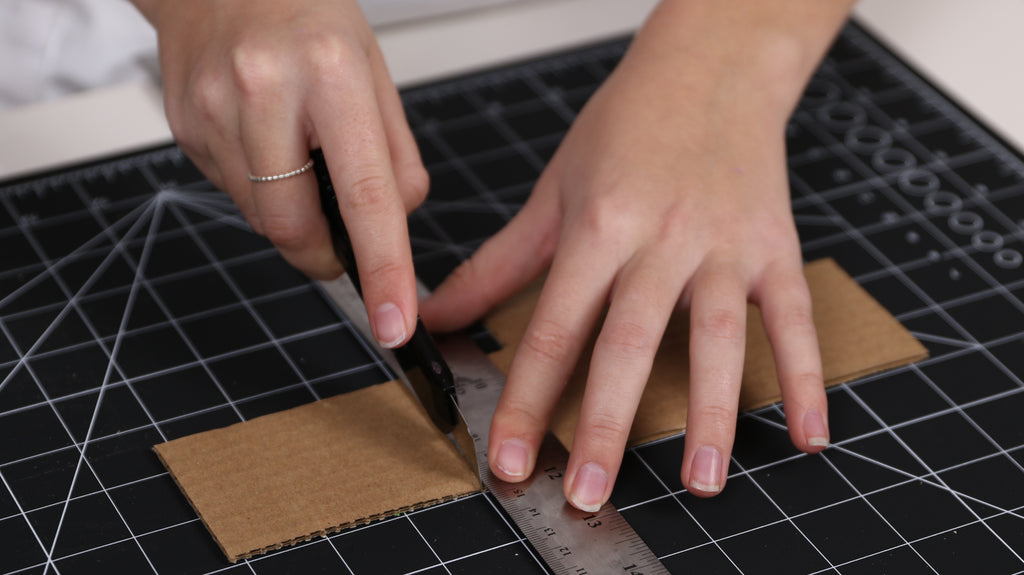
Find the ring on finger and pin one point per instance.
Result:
(282, 176)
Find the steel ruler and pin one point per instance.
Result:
(570, 541)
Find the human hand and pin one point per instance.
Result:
(251, 86)
(670, 189)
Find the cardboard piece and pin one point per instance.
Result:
(315, 469)
(856, 334)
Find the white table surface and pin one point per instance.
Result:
(972, 50)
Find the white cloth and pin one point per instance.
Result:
(49, 48)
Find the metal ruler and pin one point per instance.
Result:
(570, 541)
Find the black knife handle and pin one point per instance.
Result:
(329, 204)
(420, 351)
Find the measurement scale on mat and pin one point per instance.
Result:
(570, 541)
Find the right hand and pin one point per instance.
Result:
(250, 86)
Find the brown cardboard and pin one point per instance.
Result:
(315, 469)
(856, 334)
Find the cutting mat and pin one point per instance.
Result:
(136, 307)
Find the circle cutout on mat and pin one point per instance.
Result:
(892, 160)
(942, 202)
(867, 139)
(965, 222)
(1008, 259)
(918, 182)
(841, 116)
(987, 241)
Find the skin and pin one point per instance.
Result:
(669, 190)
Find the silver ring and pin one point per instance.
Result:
(305, 168)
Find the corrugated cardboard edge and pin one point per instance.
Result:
(234, 558)
(362, 521)
(170, 471)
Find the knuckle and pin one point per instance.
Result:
(606, 429)
(517, 414)
(257, 70)
(676, 224)
(329, 55)
(723, 325)
(285, 233)
(607, 217)
(549, 341)
(207, 94)
(717, 420)
(368, 193)
(627, 339)
(385, 271)
(807, 380)
(798, 318)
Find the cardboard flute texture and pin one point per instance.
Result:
(318, 468)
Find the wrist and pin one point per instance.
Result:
(757, 54)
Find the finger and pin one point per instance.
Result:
(569, 305)
(205, 126)
(206, 116)
(349, 127)
(206, 162)
(274, 141)
(785, 303)
(644, 297)
(499, 268)
(410, 175)
(718, 318)
(232, 169)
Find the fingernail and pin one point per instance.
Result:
(588, 488)
(706, 471)
(814, 429)
(390, 325)
(513, 457)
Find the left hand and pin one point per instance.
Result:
(670, 189)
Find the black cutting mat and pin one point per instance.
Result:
(139, 260)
